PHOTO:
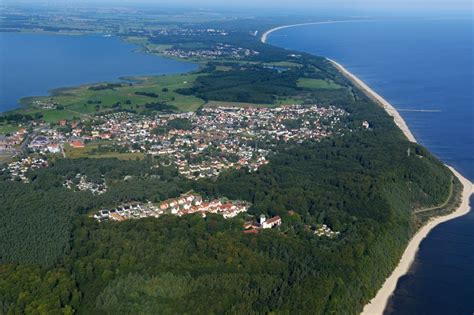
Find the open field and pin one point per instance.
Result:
(236, 104)
(146, 45)
(88, 152)
(279, 102)
(90, 99)
(288, 101)
(54, 115)
(223, 68)
(287, 64)
(4, 129)
(317, 84)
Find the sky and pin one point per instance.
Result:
(332, 3)
(409, 6)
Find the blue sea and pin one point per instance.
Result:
(425, 68)
(33, 64)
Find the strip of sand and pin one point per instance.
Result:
(265, 35)
(378, 304)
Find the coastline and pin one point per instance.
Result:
(264, 36)
(378, 303)
(399, 121)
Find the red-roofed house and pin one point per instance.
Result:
(76, 144)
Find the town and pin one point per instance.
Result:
(185, 204)
(199, 145)
(190, 32)
(220, 50)
(218, 138)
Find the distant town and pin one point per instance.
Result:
(199, 145)
(218, 51)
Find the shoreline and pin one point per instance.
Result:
(264, 36)
(399, 121)
(379, 302)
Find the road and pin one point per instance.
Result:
(451, 188)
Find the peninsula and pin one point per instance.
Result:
(267, 180)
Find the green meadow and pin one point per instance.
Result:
(7, 128)
(89, 99)
(318, 84)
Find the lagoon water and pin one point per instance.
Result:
(33, 64)
(417, 65)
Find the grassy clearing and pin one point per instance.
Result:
(88, 152)
(289, 101)
(4, 129)
(54, 115)
(318, 84)
(223, 68)
(236, 104)
(155, 48)
(137, 40)
(5, 158)
(287, 64)
(279, 102)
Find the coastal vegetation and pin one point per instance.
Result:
(56, 259)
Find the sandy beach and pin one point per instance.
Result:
(378, 304)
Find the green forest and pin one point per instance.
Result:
(56, 259)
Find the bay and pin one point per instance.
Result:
(33, 64)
